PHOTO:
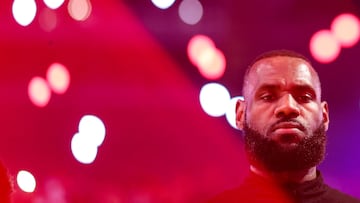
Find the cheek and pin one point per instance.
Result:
(259, 119)
(313, 117)
(315, 121)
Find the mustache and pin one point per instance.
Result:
(291, 121)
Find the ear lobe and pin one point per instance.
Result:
(240, 114)
(325, 110)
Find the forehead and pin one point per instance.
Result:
(283, 70)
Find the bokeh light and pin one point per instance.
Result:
(26, 181)
(197, 45)
(214, 99)
(346, 29)
(48, 19)
(324, 47)
(93, 128)
(163, 4)
(203, 54)
(230, 112)
(58, 78)
(39, 92)
(79, 10)
(85, 143)
(211, 64)
(53, 4)
(24, 11)
(55, 191)
(84, 151)
(190, 11)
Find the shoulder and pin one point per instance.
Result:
(334, 195)
(251, 193)
(231, 196)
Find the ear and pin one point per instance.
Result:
(240, 114)
(325, 112)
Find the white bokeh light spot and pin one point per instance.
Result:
(214, 99)
(24, 11)
(26, 181)
(93, 128)
(85, 143)
(163, 4)
(53, 4)
(84, 151)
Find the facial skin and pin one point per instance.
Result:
(282, 116)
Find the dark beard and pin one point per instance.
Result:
(270, 155)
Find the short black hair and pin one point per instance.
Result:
(275, 53)
(279, 52)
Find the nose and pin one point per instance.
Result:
(287, 107)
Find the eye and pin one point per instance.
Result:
(267, 97)
(304, 98)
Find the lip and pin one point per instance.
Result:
(288, 126)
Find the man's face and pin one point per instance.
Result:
(282, 115)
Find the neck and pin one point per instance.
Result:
(299, 176)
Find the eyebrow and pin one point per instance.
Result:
(267, 87)
(295, 87)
